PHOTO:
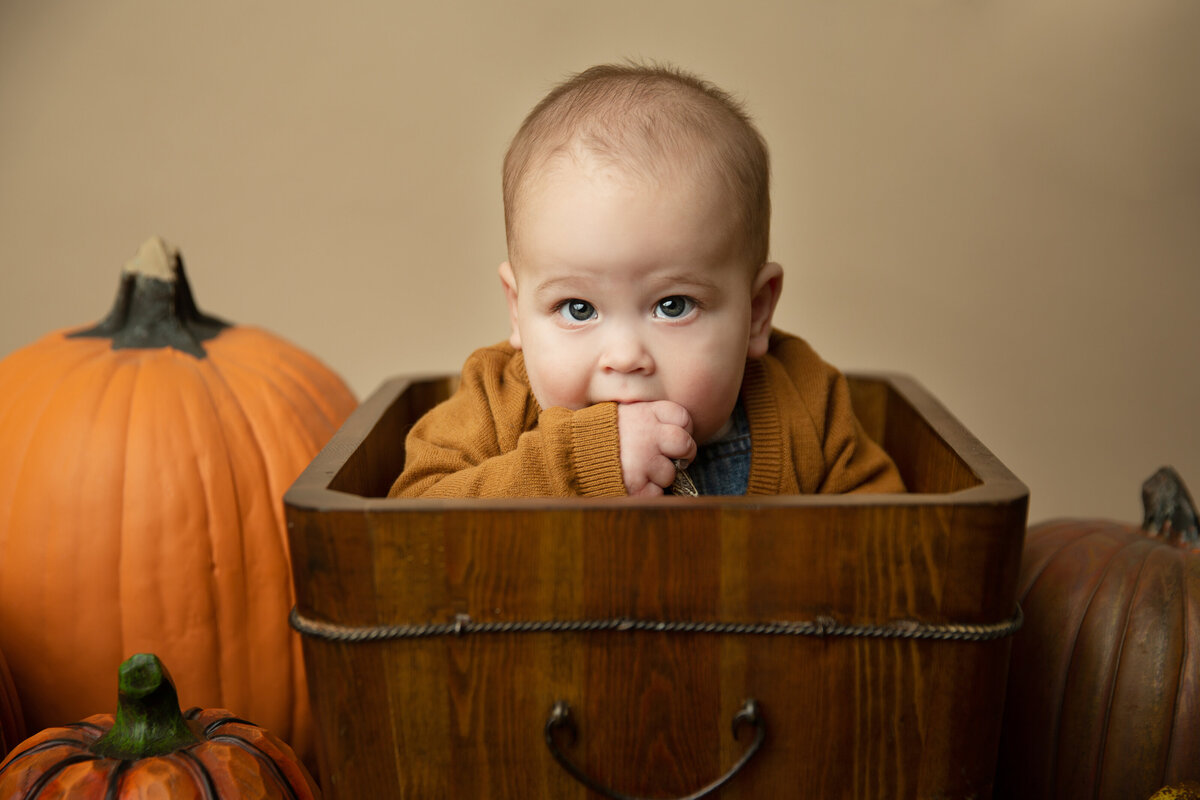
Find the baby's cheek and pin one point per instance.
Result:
(562, 388)
(710, 401)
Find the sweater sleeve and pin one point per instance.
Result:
(490, 439)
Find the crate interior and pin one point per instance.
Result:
(928, 463)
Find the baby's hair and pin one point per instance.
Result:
(648, 119)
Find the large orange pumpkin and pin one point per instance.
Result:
(142, 468)
(1104, 682)
(151, 749)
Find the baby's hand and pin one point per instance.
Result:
(652, 435)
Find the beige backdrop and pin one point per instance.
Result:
(1001, 199)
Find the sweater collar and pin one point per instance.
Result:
(766, 430)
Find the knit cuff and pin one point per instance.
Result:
(596, 451)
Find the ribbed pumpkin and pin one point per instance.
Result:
(12, 724)
(1104, 682)
(150, 749)
(142, 467)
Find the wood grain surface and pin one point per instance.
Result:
(463, 716)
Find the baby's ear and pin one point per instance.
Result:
(509, 282)
(764, 296)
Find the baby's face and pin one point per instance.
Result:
(631, 290)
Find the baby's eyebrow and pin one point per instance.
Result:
(556, 285)
(686, 280)
(669, 284)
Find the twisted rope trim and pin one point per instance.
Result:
(821, 627)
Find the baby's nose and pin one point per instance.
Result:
(626, 353)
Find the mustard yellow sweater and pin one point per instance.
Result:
(491, 439)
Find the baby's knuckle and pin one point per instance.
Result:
(678, 440)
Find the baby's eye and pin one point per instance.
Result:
(577, 310)
(674, 307)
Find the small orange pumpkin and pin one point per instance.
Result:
(142, 468)
(150, 749)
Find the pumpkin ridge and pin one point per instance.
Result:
(1098, 576)
(1177, 575)
(1120, 649)
(222, 722)
(128, 598)
(285, 394)
(224, 582)
(113, 791)
(1050, 530)
(46, 363)
(268, 394)
(1181, 687)
(146, 620)
(309, 376)
(94, 374)
(203, 441)
(198, 770)
(225, 401)
(264, 380)
(112, 570)
(33, 422)
(263, 760)
(216, 375)
(299, 368)
(37, 749)
(231, 371)
(52, 773)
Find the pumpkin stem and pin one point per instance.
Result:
(148, 722)
(1169, 509)
(154, 305)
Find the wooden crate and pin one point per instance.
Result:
(462, 710)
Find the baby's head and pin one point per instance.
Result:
(653, 123)
(637, 210)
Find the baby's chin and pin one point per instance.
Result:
(706, 435)
(708, 430)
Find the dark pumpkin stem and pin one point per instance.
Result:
(154, 306)
(148, 721)
(1169, 509)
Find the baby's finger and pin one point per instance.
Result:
(648, 490)
(675, 442)
(673, 414)
(661, 470)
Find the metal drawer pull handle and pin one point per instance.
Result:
(560, 717)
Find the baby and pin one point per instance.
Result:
(642, 356)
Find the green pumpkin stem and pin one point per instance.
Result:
(148, 722)
(155, 307)
(1169, 509)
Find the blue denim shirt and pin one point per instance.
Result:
(723, 465)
